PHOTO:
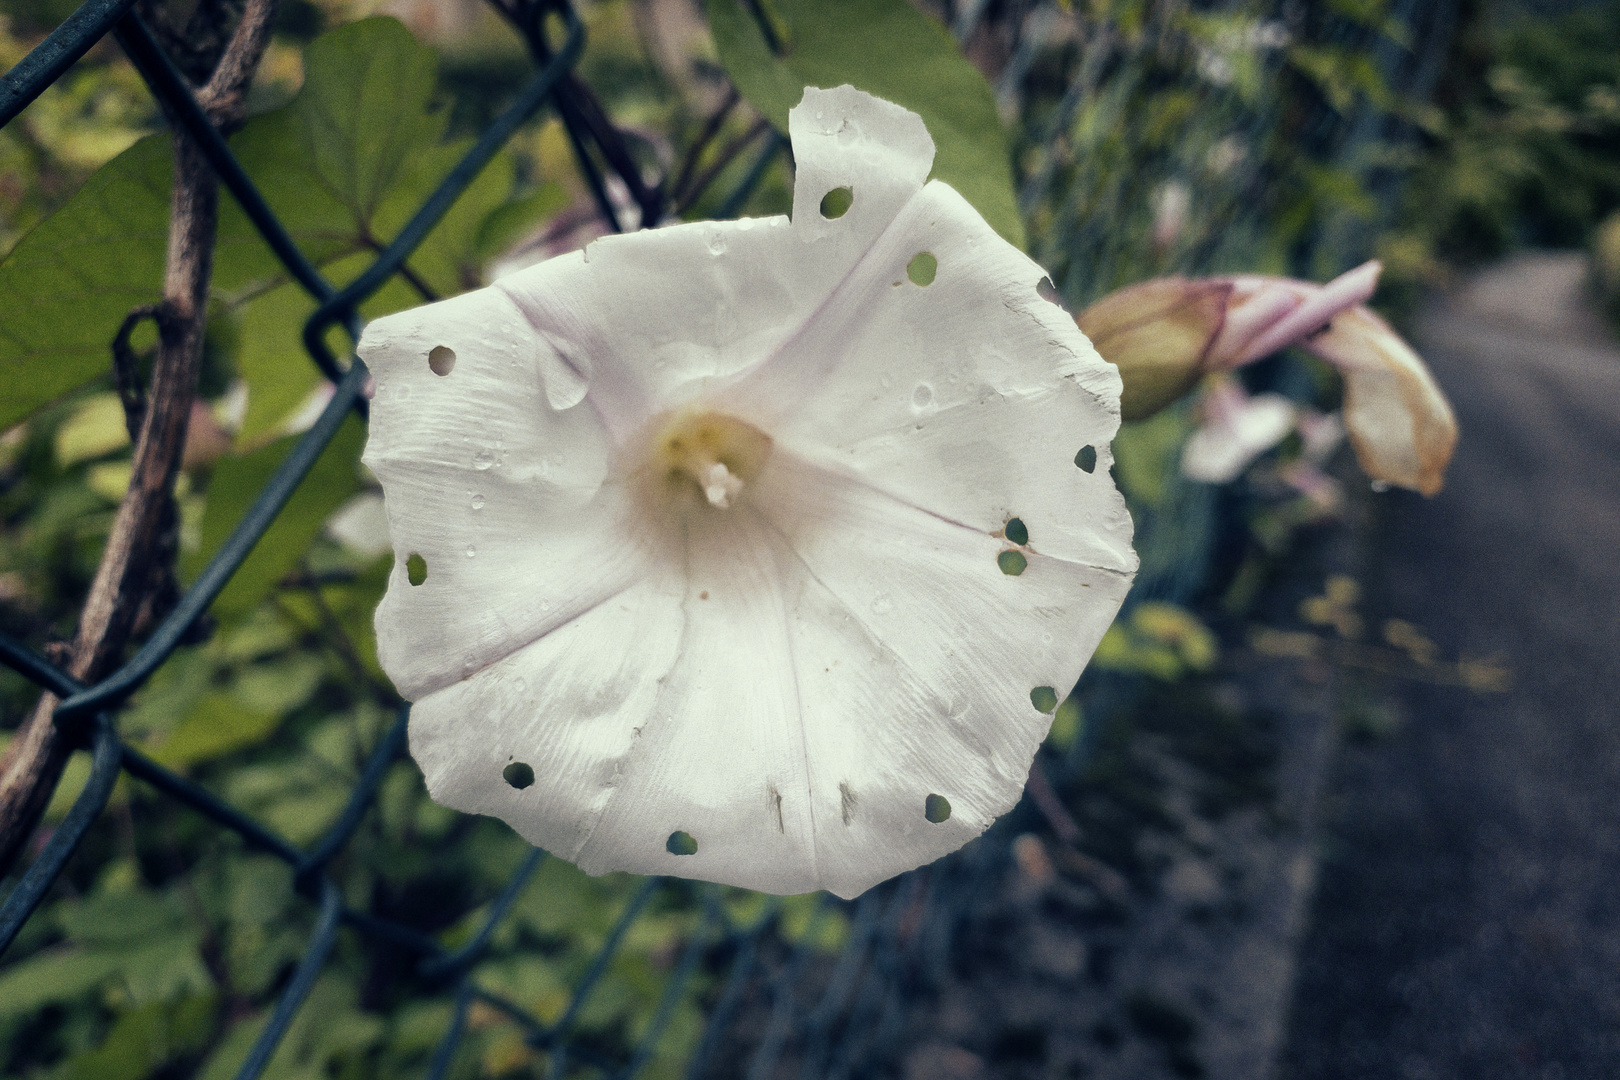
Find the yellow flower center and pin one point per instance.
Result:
(719, 454)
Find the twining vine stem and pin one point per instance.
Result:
(140, 548)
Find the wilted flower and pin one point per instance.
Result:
(1167, 333)
(1399, 422)
(753, 551)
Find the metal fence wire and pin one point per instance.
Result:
(796, 1011)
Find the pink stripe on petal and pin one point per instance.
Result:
(1247, 318)
(1321, 305)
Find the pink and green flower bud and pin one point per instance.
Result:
(1157, 333)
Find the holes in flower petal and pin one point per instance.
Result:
(681, 843)
(416, 569)
(1048, 292)
(441, 358)
(1012, 563)
(1016, 531)
(1086, 458)
(922, 268)
(519, 774)
(836, 203)
(1044, 698)
(936, 808)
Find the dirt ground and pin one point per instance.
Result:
(1468, 918)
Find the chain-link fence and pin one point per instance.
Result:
(777, 1004)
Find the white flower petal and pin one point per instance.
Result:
(783, 664)
(570, 706)
(836, 658)
(666, 313)
(498, 493)
(969, 396)
(916, 657)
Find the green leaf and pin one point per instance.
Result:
(506, 224)
(1147, 453)
(143, 1040)
(165, 968)
(95, 429)
(890, 49)
(50, 977)
(107, 918)
(216, 726)
(328, 1028)
(237, 482)
(364, 108)
(272, 359)
(278, 687)
(448, 259)
(66, 285)
(343, 167)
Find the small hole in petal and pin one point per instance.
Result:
(518, 774)
(1016, 531)
(681, 843)
(441, 359)
(1048, 292)
(1044, 698)
(922, 268)
(1012, 563)
(936, 808)
(416, 569)
(1086, 458)
(836, 203)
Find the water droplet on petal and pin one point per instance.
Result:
(483, 459)
(471, 551)
(881, 603)
(717, 244)
(477, 502)
(922, 397)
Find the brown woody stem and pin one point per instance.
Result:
(128, 572)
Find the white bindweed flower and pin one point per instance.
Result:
(754, 551)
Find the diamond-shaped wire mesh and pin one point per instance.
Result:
(777, 1006)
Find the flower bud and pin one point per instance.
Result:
(1157, 333)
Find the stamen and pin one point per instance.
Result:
(709, 452)
(719, 486)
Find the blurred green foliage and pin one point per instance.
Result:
(1119, 139)
(1523, 147)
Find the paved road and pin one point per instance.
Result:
(1467, 922)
